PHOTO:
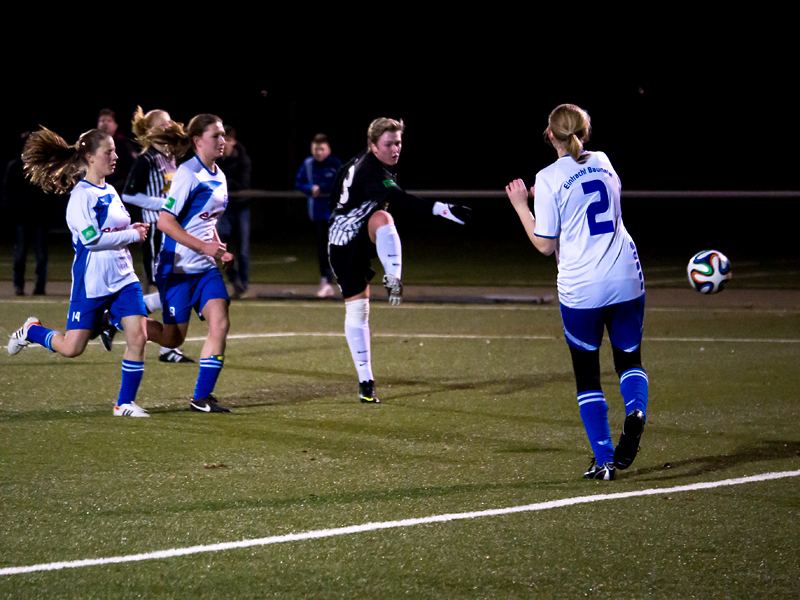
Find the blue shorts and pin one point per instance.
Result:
(180, 293)
(86, 314)
(583, 327)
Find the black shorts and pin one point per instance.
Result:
(351, 263)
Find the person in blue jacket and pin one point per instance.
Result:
(315, 180)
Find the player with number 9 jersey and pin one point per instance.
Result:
(197, 199)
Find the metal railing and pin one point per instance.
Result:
(479, 194)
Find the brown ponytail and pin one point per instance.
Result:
(177, 140)
(54, 165)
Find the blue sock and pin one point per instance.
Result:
(207, 378)
(594, 412)
(41, 335)
(633, 385)
(132, 372)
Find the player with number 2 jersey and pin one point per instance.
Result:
(579, 204)
(600, 281)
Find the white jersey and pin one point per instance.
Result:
(197, 199)
(100, 228)
(578, 204)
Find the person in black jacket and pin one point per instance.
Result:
(29, 211)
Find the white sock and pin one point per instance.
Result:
(390, 253)
(356, 330)
(152, 301)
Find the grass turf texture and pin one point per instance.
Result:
(466, 424)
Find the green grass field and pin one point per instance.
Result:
(478, 412)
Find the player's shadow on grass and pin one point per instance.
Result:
(695, 467)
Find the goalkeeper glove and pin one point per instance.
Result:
(454, 212)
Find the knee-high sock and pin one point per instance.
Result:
(634, 387)
(41, 335)
(132, 372)
(356, 330)
(594, 412)
(210, 369)
(390, 253)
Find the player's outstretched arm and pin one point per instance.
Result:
(518, 195)
(453, 212)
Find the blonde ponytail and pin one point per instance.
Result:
(571, 126)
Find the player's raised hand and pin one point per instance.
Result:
(518, 193)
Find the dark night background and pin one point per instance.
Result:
(684, 122)
(681, 119)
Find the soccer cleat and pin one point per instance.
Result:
(628, 445)
(208, 405)
(19, 339)
(394, 287)
(606, 471)
(130, 410)
(107, 331)
(174, 356)
(366, 392)
(325, 289)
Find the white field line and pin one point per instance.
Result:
(474, 336)
(553, 306)
(325, 533)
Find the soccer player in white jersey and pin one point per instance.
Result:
(600, 281)
(147, 189)
(103, 278)
(187, 274)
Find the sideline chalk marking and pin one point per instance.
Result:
(323, 533)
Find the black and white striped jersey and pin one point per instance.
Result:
(364, 185)
(150, 175)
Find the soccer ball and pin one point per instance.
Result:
(708, 271)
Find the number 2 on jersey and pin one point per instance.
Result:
(597, 207)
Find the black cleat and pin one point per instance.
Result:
(174, 356)
(606, 471)
(366, 392)
(207, 405)
(628, 446)
(107, 331)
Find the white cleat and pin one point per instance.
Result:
(19, 339)
(325, 290)
(130, 410)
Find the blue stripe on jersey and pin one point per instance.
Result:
(79, 265)
(195, 203)
(101, 209)
(197, 200)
